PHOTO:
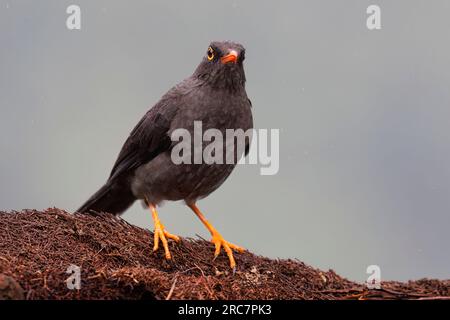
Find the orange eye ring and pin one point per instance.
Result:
(210, 54)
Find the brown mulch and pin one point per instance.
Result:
(116, 261)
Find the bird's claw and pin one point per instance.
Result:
(160, 233)
(220, 242)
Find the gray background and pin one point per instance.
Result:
(364, 116)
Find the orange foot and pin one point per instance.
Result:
(160, 233)
(219, 242)
(217, 239)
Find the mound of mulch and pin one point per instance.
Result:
(116, 262)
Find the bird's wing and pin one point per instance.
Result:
(148, 139)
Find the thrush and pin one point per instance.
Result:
(144, 170)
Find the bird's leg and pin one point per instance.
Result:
(160, 233)
(217, 238)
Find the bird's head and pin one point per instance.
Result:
(222, 66)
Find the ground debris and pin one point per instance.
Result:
(116, 262)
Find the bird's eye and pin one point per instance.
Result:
(210, 53)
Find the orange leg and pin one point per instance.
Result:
(160, 233)
(217, 238)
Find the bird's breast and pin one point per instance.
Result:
(215, 109)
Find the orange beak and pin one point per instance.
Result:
(231, 57)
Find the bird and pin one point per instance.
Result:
(214, 95)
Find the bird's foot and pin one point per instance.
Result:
(160, 233)
(220, 242)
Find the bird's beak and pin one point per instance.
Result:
(231, 57)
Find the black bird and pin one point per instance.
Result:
(215, 95)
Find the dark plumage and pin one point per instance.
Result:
(215, 94)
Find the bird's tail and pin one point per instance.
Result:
(113, 198)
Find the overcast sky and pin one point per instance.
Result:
(363, 116)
